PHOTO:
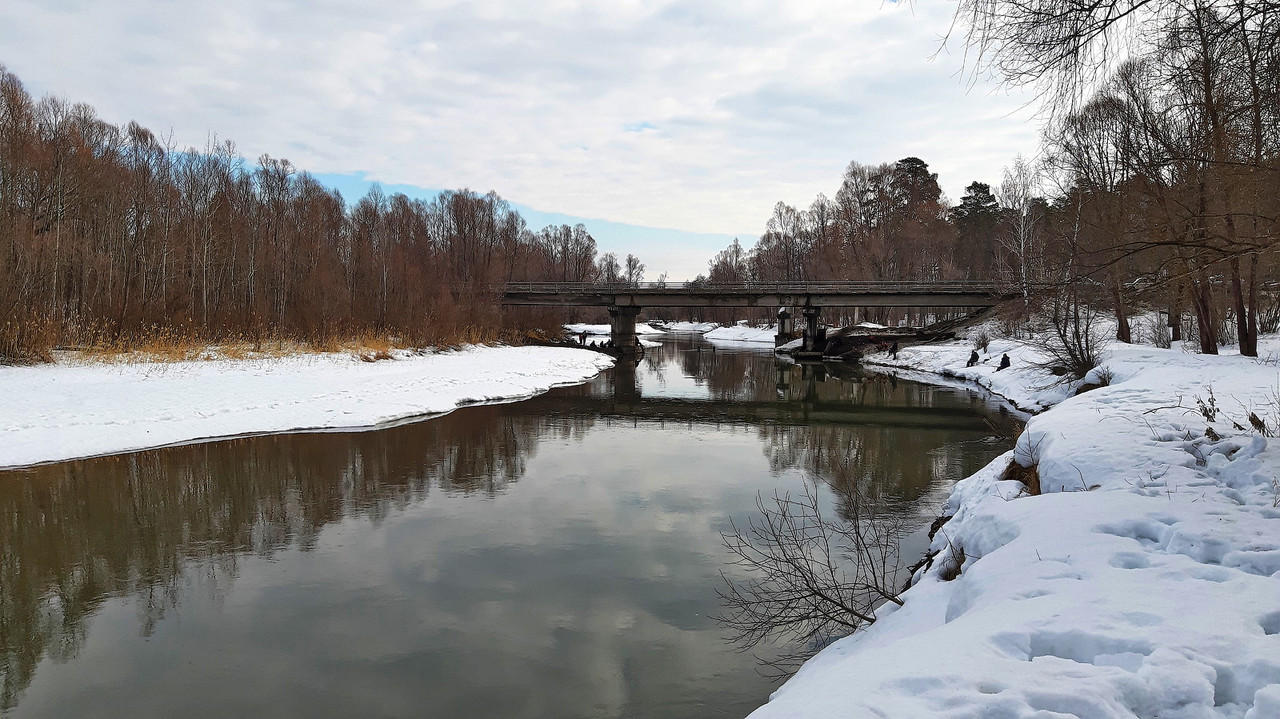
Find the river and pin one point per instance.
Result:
(554, 557)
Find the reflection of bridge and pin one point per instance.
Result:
(626, 300)
(754, 412)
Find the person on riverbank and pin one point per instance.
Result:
(973, 358)
(893, 350)
(1004, 362)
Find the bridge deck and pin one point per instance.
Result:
(810, 294)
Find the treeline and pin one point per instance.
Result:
(1158, 186)
(110, 234)
(887, 222)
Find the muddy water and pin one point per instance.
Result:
(557, 557)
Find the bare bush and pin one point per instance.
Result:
(1161, 336)
(981, 338)
(1269, 313)
(1074, 340)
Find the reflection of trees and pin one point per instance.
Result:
(882, 462)
(887, 463)
(732, 375)
(78, 533)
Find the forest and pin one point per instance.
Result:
(113, 237)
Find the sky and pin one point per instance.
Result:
(668, 127)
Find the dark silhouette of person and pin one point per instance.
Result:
(893, 350)
(973, 358)
(1004, 362)
(583, 337)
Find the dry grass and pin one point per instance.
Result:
(28, 340)
(178, 344)
(1029, 476)
(35, 341)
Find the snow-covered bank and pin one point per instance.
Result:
(741, 332)
(642, 328)
(1143, 582)
(1023, 384)
(56, 412)
(684, 327)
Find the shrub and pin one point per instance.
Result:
(1074, 338)
(27, 340)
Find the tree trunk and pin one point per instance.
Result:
(1123, 332)
(1248, 342)
(1202, 302)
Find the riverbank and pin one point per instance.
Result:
(1143, 580)
(71, 410)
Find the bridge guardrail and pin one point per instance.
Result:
(793, 288)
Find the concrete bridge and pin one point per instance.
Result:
(624, 301)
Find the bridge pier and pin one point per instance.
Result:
(815, 339)
(786, 326)
(622, 330)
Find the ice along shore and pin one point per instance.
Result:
(67, 411)
(1144, 580)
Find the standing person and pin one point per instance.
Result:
(893, 350)
(1004, 362)
(583, 338)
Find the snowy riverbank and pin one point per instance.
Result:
(742, 332)
(65, 411)
(1143, 582)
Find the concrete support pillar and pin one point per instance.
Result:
(811, 340)
(622, 321)
(786, 326)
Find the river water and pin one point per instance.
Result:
(556, 557)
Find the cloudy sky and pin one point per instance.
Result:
(669, 126)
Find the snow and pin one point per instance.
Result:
(642, 328)
(1023, 384)
(1143, 582)
(742, 333)
(65, 411)
(689, 327)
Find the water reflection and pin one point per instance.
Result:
(552, 557)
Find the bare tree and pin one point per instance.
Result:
(607, 268)
(633, 270)
(1022, 236)
(810, 579)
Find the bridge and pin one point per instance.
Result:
(624, 301)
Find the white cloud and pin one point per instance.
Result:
(738, 104)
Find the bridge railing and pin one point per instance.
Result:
(784, 288)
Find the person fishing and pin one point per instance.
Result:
(973, 358)
(1004, 362)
